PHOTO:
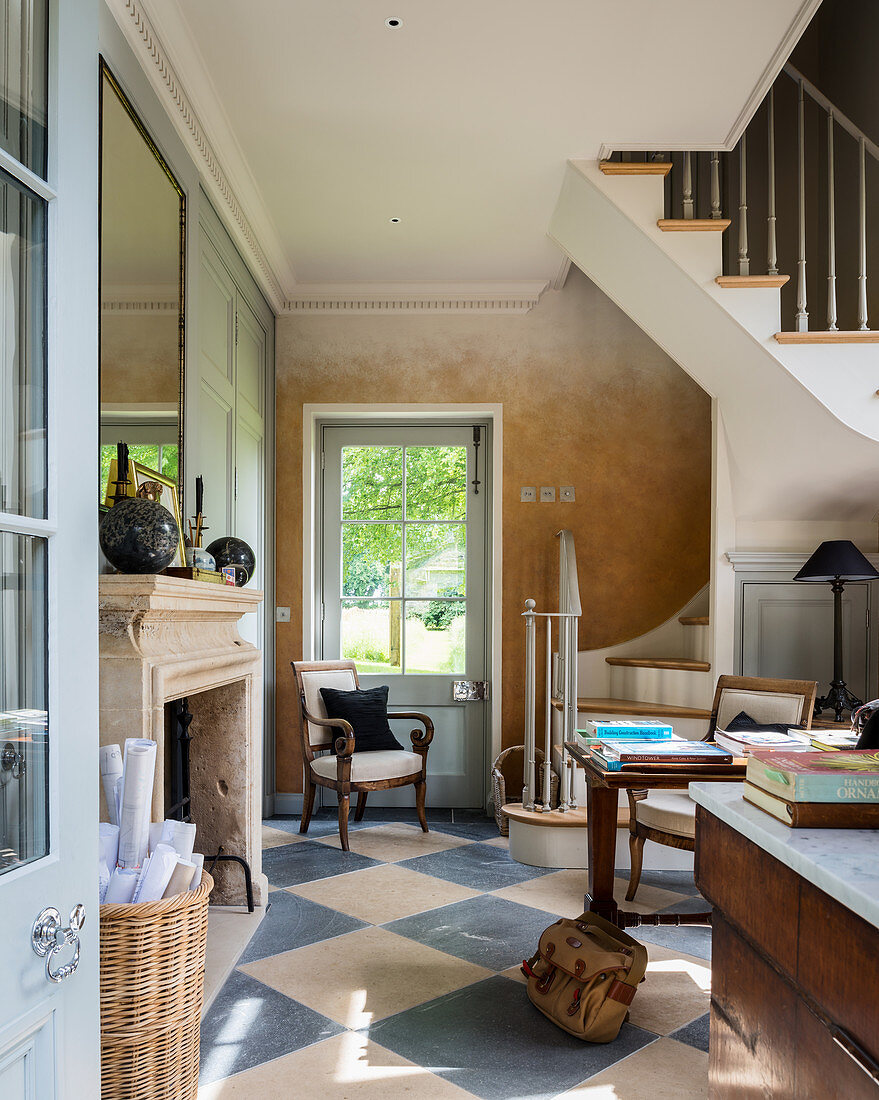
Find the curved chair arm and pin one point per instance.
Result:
(344, 746)
(419, 740)
(634, 798)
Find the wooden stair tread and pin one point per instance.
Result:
(871, 336)
(571, 819)
(693, 225)
(733, 281)
(636, 168)
(635, 707)
(693, 620)
(685, 664)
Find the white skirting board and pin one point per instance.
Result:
(288, 803)
(548, 846)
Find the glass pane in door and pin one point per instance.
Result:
(372, 483)
(24, 820)
(24, 89)
(436, 483)
(22, 350)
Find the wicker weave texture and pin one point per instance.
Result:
(152, 985)
(512, 759)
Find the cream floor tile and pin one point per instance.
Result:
(515, 972)
(560, 893)
(665, 1070)
(499, 842)
(677, 990)
(649, 899)
(340, 1068)
(274, 838)
(365, 975)
(382, 894)
(391, 843)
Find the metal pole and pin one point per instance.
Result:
(802, 317)
(744, 262)
(772, 248)
(688, 187)
(547, 736)
(530, 685)
(831, 231)
(862, 238)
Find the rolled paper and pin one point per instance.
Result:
(120, 783)
(180, 878)
(198, 863)
(155, 879)
(103, 881)
(108, 841)
(156, 835)
(121, 886)
(137, 794)
(111, 770)
(179, 835)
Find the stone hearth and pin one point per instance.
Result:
(165, 638)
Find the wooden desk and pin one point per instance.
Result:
(601, 825)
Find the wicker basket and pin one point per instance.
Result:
(152, 985)
(508, 769)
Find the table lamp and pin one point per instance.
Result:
(837, 562)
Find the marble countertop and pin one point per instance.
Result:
(842, 862)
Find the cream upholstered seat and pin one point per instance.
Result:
(669, 817)
(348, 770)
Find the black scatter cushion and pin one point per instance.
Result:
(744, 723)
(367, 711)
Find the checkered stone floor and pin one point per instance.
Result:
(392, 971)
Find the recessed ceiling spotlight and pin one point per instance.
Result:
(394, 221)
(393, 23)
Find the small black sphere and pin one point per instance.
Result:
(139, 536)
(231, 551)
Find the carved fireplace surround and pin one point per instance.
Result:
(165, 638)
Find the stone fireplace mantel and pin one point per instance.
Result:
(166, 638)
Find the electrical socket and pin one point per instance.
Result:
(566, 493)
(528, 493)
(547, 494)
(282, 614)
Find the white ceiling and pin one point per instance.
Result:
(327, 123)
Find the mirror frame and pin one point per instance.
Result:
(105, 74)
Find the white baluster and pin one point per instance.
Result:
(530, 702)
(565, 648)
(547, 738)
(688, 187)
(831, 231)
(716, 211)
(772, 245)
(744, 262)
(802, 316)
(862, 238)
(575, 649)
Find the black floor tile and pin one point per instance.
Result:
(479, 866)
(291, 864)
(475, 828)
(489, 931)
(295, 922)
(490, 1040)
(691, 940)
(680, 882)
(249, 1024)
(695, 1034)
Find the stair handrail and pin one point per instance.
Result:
(821, 99)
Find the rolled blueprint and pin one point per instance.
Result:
(180, 878)
(103, 881)
(198, 860)
(108, 842)
(179, 835)
(121, 886)
(111, 770)
(137, 794)
(156, 835)
(157, 875)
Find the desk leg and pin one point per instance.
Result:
(601, 833)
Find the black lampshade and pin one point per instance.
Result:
(837, 559)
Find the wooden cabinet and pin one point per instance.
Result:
(794, 973)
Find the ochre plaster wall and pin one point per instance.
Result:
(588, 400)
(140, 358)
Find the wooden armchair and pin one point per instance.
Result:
(348, 771)
(669, 817)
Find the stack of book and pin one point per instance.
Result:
(743, 742)
(830, 790)
(649, 729)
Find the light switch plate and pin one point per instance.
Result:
(566, 493)
(528, 493)
(282, 614)
(547, 493)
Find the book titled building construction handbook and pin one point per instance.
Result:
(817, 776)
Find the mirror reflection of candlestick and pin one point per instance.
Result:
(199, 495)
(121, 472)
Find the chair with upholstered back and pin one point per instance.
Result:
(669, 817)
(328, 748)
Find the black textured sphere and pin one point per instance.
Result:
(231, 551)
(139, 536)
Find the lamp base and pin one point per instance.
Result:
(838, 699)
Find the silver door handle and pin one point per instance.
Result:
(48, 938)
(470, 691)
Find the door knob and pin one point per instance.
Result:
(49, 938)
(469, 691)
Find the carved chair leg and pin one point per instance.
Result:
(361, 805)
(636, 851)
(420, 794)
(307, 805)
(344, 803)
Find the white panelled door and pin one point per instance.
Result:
(404, 578)
(49, 1025)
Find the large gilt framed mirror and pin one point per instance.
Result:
(142, 249)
